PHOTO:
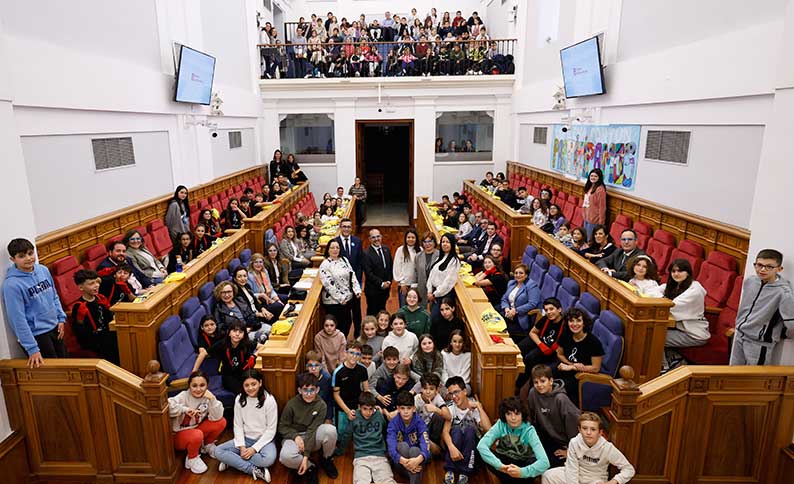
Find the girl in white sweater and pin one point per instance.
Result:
(443, 274)
(405, 341)
(196, 420)
(253, 448)
(457, 360)
(404, 258)
(689, 304)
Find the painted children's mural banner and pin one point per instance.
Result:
(613, 148)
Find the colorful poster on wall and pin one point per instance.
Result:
(613, 148)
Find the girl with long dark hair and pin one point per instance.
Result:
(177, 217)
(594, 202)
(404, 263)
(443, 274)
(689, 303)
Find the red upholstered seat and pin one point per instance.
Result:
(63, 271)
(621, 223)
(691, 251)
(717, 275)
(94, 255)
(660, 249)
(578, 218)
(643, 228)
(155, 224)
(161, 242)
(716, 351)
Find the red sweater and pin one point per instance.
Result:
(596, 213)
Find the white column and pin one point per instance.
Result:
(269, 130)
(502, 133)
(424, 143)
(345, 141)
(769, 223)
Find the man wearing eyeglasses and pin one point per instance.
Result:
(117, 255)
(303, 431)
(378, 271)
(353, 251)
(615, 263)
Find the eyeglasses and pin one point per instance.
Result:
(627, 239)
(354, 353)
(313, 365)
(375, 237)
(454, 393)
(135, 239)
(309, 391)
(764, 267)
(227, 292)
(428, 241)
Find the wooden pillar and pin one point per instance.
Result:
(158, 424)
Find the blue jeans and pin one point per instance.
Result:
(588, 227)
(230, 455)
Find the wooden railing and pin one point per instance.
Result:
(87, 420)
(517, 222)
(265, 219)
(706, 424)
(282, 359)
(494, 366)
(75, 239)
(645, 320)
(137, 324)
(711, 234)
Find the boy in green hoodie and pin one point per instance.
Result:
(302, 429)
(369, 458)
(518, 454)
(556, 417)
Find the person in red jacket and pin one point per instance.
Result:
(91, 316)
(594, 203)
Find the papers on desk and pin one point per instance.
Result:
(312, 272)
(304, 284)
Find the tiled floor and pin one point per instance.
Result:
(387, 214)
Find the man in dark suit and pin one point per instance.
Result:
(117, 254)
(615, 263)
(378, 270)
(467, 244)
(353, 251)
(484, 246)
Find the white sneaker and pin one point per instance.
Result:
(208, 449)
(195, 465)
(267, 474)
(260, 473)
(222, 467)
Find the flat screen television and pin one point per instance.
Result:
(194, 76)
(581, 69)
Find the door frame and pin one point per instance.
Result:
(363, 123)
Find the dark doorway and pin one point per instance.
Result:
(384, 161)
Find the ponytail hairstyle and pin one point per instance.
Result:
(261, 395)
(674, 289)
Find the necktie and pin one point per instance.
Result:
(347, 245)
(382, 259)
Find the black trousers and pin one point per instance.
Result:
(532, 356)
(50, 346)
(376, 301)
(506, 478)
(344, 314)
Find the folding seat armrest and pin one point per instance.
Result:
(730, 332)
(230, 231)
(713, 310)
(534, 312)
(601, 378)
(178, 384)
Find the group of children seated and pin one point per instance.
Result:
(416, 47)
(401, 402)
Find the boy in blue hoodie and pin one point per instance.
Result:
(407, 438)
(32, 305)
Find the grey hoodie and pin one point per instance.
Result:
(585, 465)
(384, 372)
(553, 413)
(766, 310)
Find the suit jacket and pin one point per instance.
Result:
(617, 261)
(107, 268)
(420, 274)
(356, 255)
(374, 270)
(482, 250)
(527, 299)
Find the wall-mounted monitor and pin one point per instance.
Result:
(194, 76)
(581, 69)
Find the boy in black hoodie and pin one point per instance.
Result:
(554, 416)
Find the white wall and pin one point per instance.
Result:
(227, 160)
(448, 177)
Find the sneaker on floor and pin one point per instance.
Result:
(310, 476)
(222, 467)
(463, 479)
(329, 467)
(449, 477)
(209, 449)
(260, 473)
(195, 465)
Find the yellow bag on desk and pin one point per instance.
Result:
(465, 268)
(324, 239)
(282, 327)
(468, 279)
(175, 277)
(493, 321)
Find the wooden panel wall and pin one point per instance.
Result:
(265, 219)
(711, 234)
(495, 366)
(14, 458)
(75, 239)
(706, 424)
(86, 420)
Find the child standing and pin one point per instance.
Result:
(314, 365)
(416, 317)
(253, 449)
(556, 418)
(348, 380)
(407, 439)
(427, 360)
(330, 342)
(457, 359)
(405, 341)
(196, 420)
(367, 427)
(460, 435)
(32, 305)
(366, 360)
(589, 458)
(765, 313)
(518, 454)
(432, 409)
(302, 429)
(369, 336)
(91, 316)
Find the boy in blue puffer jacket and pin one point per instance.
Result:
(407, 438)
(32, 305)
